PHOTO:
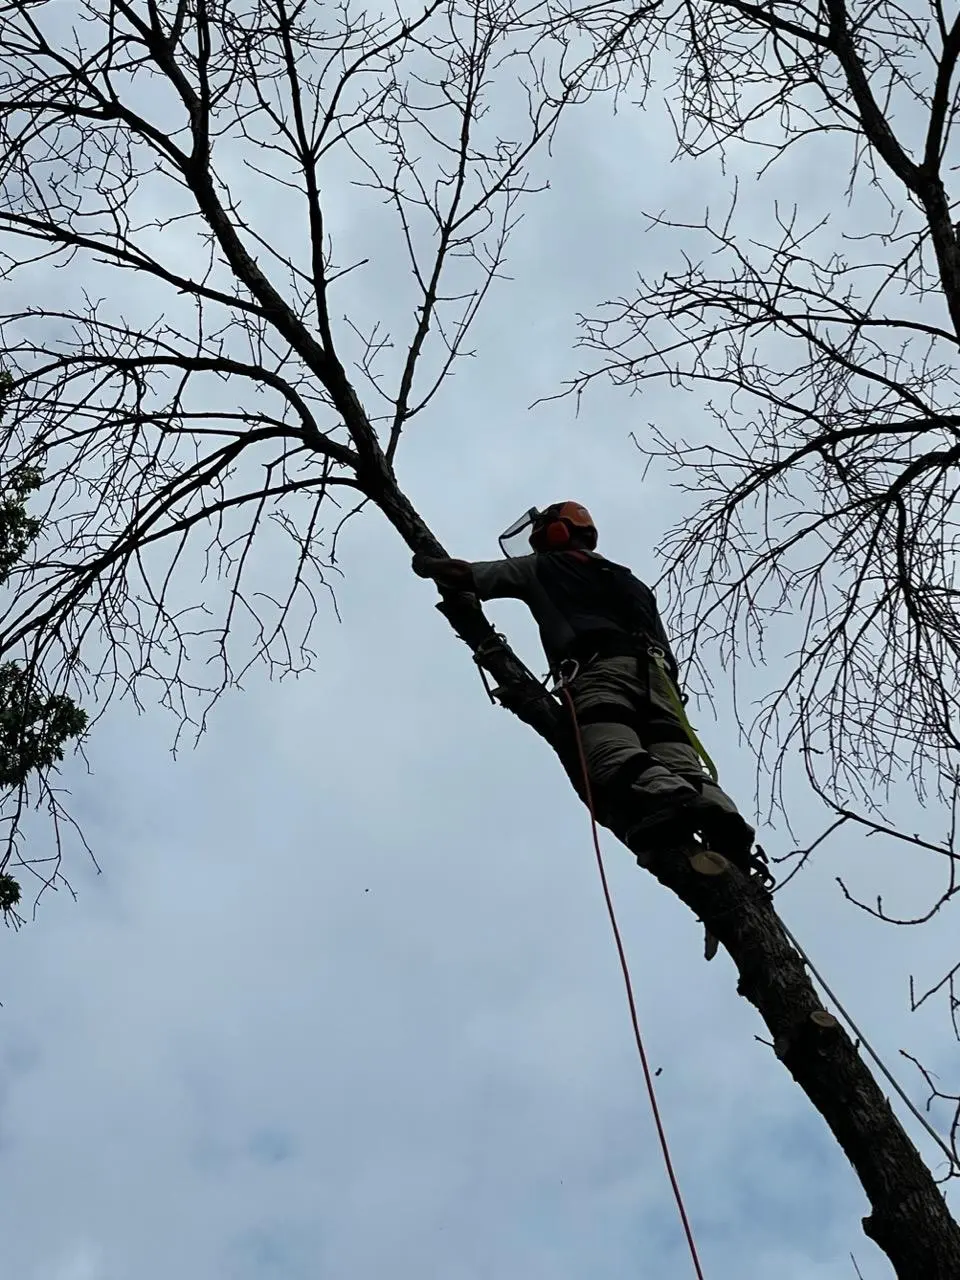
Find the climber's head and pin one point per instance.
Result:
(563, 524)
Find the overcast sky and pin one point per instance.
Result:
(343, 1003)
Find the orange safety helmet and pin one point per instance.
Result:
(549, 530)
(555, 526)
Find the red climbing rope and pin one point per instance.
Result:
(629, 987)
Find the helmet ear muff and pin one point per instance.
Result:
(550, 536)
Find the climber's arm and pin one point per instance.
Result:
(488, 579)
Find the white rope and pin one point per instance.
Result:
(951, 1157)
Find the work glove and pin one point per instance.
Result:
(455, 575)
(425, 566)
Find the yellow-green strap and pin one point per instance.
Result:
(680, 709)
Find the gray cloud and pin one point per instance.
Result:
(344, 1002)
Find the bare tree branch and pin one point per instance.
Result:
(821, 524)
(174, 448)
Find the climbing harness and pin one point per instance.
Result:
(757, 865)
(623, 644)
(759, 874)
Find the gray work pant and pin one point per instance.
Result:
(639, 757)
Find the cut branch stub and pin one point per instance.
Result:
(709, 863)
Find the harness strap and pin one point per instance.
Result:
(654, 731)
(608, 713)
(633, 768)
(591, 645)
(596, 646)
(657, 654)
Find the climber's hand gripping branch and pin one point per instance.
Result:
(455, 575)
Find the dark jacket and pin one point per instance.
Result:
(576, 597)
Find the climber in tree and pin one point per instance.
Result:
(643, 758)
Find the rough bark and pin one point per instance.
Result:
(908, 1218)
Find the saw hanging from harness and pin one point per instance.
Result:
(652, 779)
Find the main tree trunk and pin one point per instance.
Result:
(909, 1218)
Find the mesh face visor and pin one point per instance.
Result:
(515, 540)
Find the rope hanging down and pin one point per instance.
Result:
(497, 640)
(628, 984)
(878, 1061)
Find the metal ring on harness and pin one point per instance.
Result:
(567, 671)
